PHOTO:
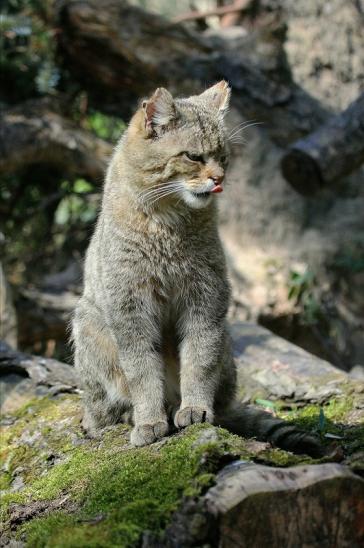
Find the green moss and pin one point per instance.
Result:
(132, 490)
(278, 457)
(121, 490)
(337, 417)
(114, 492)
(42, 429)
(5, 480)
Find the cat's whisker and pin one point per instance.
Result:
(162, 191)
(238, 125)
(145, 190)
(162, 185)
(236, 137)
(238, 142)
(166, 193)
(242, 124)
(149, 204)
(157, 185)
(244, 128)
(161, 188)
(159, 194)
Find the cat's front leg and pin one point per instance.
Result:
(200, 369)
(143, 369)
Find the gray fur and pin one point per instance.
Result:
(150, 333)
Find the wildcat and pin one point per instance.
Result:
(150, 334)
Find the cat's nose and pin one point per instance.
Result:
(218, 180)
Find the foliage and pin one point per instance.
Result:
(27, 45)
(351, 259)
(301, 290)
(105, 127)
(38, 217)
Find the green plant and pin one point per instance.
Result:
(27, 46)
(351, 259)
(302, 291)
(105, 127)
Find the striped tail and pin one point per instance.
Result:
(249, 421)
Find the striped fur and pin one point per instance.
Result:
(149, 330)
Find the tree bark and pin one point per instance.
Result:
(259, 506)
(334, 150)
(34, 133)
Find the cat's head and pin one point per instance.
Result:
(179, 147)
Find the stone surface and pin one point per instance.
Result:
(23, 377)
(271, 367)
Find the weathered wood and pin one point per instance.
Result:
(33, 133)
(300, 506)
(334, 150)
(259, 506)
(273, 368)
(23, 376)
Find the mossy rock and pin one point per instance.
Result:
(63, 489)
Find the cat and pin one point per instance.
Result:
(150, 334)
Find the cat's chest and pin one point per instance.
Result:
(168, 252)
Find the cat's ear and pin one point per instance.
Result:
(218, 96)
(159, 110)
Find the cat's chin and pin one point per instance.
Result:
(197, 200)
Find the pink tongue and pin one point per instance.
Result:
(217, 188)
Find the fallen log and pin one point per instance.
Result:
(334, 150)
(271, 368)
(35, 133)
(24, 377)
(119, 53)
(253, 505)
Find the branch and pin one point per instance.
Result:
(334, 150)
(33, 133)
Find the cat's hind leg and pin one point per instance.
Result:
(105, 392)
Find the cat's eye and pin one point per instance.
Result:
(195, 157)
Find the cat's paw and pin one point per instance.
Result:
(191, 415)
(145, 434)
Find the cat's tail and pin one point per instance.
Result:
(249, 421)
